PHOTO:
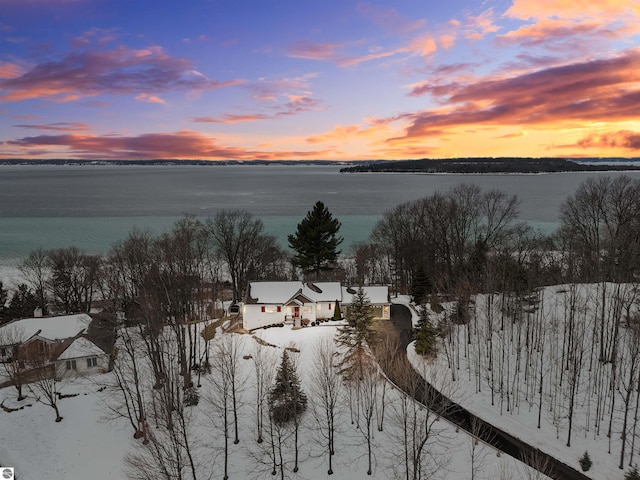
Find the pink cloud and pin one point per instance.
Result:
(447, 40)
(99, 36)
(268, 90)
(478, 27)
(315, 51)
(183, 144)
(10, 70)
(296, 104)
(145, 97)
(423, 46)
(230, 118)
(116, 72)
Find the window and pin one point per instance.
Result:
(330, 305)
(279, 308)
(92, 362)
(263, 309)
(71, 364)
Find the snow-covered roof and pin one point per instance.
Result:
(375, 294)
(81, 347)
(51, 328)
(281, 292)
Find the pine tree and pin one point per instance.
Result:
(316, 241)
(420, 285)
(632, 474)
(23, 303)
(585, 462)
(426, 334)
(337, 313)
(357, 332)
(286, 398)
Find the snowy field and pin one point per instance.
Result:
(538, 360)
(91, 443)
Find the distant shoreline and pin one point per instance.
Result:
(500, 165)
(507, 165)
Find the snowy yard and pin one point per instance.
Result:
(89, 439)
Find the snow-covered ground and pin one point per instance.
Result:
(91, 443)
(541, 333)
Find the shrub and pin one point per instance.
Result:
(632, 474)
(585, 462)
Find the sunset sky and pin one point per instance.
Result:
(331, 79)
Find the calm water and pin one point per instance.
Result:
(94, 206)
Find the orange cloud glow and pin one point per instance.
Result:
(575, 95)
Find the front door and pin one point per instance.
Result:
(296, 312)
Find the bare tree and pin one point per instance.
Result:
(264, 369)
(11, 338)
(224, 358)
(44, 383)
(326, 397)
(74, 277)
(172, 447)
(129, 379)
(480, 431)
(37, 271)
(367, 398)
(246, 250)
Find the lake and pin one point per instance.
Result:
(92, 207)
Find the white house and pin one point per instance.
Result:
(273, 303)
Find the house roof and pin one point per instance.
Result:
(281, 292)
(80, 347)
(50, 328)
(376, 294)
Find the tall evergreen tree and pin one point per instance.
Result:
(420, 286)
(286, 398)
(316, 241)
(426, 334)
(357, 332)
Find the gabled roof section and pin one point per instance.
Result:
(80, 347)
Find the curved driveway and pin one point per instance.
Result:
(399, 330)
